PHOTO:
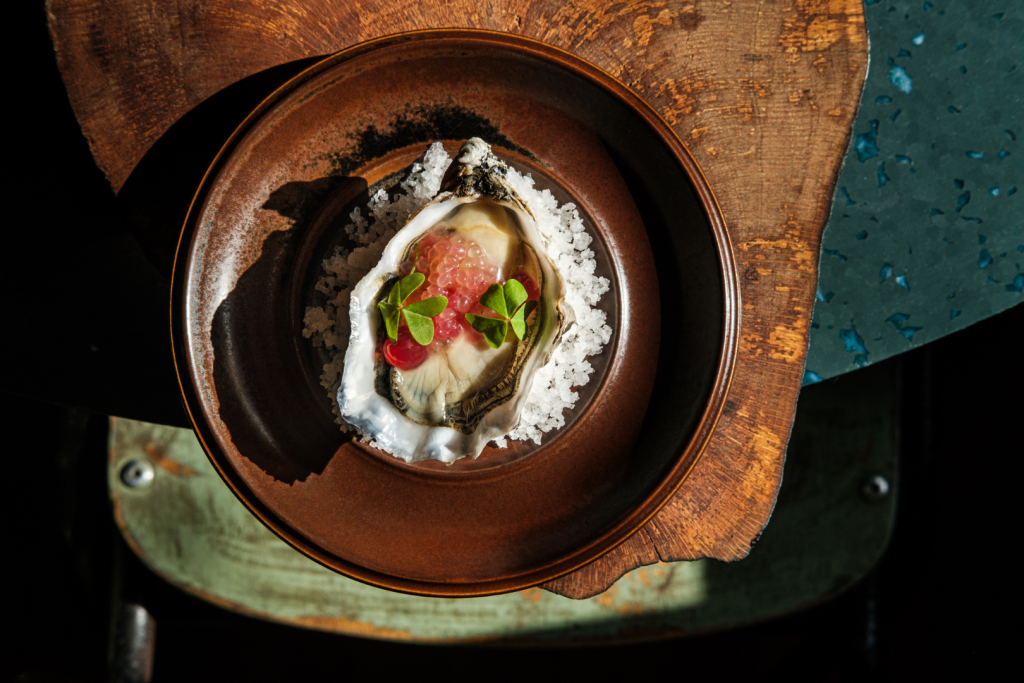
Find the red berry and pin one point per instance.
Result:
(405, 354)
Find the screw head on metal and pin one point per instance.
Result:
(875, 487)
(136, 473)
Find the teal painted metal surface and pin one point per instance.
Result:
(824, 535)
(926, 234)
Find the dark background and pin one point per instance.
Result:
(85, 335)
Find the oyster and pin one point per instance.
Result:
(446, 400)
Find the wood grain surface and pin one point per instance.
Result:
(763, 93)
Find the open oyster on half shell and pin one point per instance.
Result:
(447, 399)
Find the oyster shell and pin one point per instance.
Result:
(464, 393)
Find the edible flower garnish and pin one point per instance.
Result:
(513, 307)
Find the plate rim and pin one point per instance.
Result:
(653, 502)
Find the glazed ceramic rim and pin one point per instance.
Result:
(658, 497)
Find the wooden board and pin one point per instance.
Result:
(764, 94)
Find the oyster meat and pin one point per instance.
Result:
(447, 399)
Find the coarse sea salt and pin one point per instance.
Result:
(568, 246)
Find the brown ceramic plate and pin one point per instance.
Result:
(272, 206)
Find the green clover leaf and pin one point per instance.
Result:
(512, 297)
(428, 307)
(518, 319)
(494, 299)
(390, 312)
(492, 329)
(420, 327)
(515, 295)
(409, 284)
(417, 316)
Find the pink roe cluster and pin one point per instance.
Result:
(459, 269)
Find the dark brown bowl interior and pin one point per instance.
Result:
(271, 209)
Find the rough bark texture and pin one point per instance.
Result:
(763, 93)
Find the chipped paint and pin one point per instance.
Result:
(532, 594)
(682, 95)
(157, 456)
(755, 86)
(787, 343)
(351, 627)
(801, 255)
(608, 598)
(816, 25)
(225, 556)
(643, 25)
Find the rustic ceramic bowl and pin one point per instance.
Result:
(271, 208)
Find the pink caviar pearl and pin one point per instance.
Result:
(457, 268)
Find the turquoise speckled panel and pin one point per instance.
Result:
(927, 230)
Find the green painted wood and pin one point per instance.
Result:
(824, 535)
(926, 234)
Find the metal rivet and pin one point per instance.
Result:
(875, 487)
(136, 473)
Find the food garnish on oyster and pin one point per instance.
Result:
(370, 228)
(476, 247)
